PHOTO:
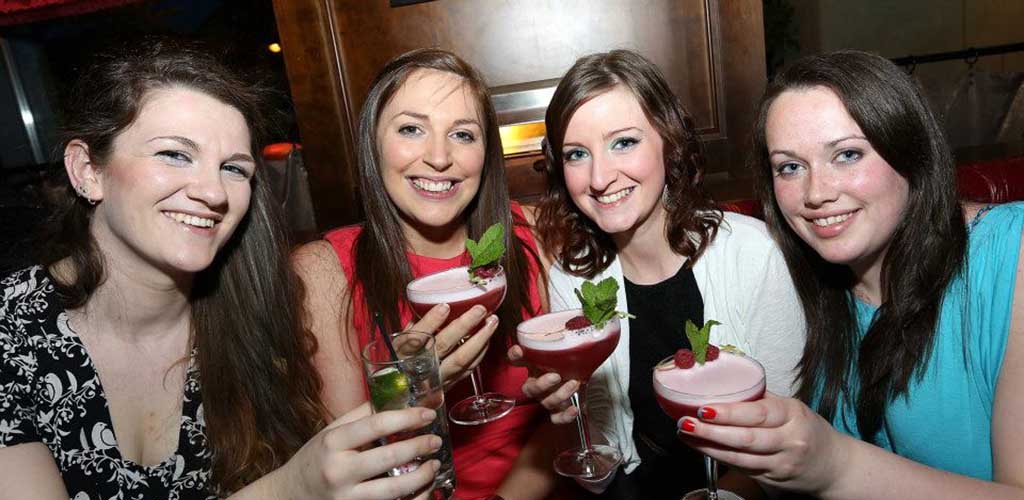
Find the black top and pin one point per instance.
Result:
(668, 468)
(50, 393)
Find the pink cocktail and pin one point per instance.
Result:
(453, 287)
(551, 344)
(680, 392)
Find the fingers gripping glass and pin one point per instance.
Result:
(453, 287)
(402, 372)
(680, 392)
(550, 346)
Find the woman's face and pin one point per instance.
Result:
(432, 149)
(613, 162)
(176, 184)
(835, 191)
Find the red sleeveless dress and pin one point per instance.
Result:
(485, 453)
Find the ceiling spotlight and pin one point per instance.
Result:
(274, 47)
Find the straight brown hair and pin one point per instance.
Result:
(381, 265)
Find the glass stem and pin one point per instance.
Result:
(711, 471)
(581, 418)
(474, 378)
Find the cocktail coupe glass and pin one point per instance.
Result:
(733, 377)
(453, 287)
(403, 375)
(574, 354)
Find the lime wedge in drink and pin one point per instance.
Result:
(389, 389)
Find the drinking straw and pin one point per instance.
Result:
(378, 320)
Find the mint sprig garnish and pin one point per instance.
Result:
(599, 301)
(487, 251)
(699, 339)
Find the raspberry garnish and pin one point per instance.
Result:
(684, 359)
(577, 323)
(712, 353)
(486, 272)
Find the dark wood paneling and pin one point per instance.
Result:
(711, 51)
(322, 107)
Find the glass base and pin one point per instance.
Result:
(594, 464)
(476, 410)
(704, 494)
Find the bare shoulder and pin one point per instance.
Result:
(317, 263)
(529, 213)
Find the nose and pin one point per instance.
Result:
(602, 174)
(438, 153)
(821, 186)
(207, 186)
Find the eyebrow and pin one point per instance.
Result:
(423, 117)
(619, 131)
(190, 144)
(829, 144)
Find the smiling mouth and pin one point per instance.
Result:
(190, 220)
(432, 186)
(834, 219)
(608, 199)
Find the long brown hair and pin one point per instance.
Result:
(381, 266)
(578, 244)
(925, 253)
(259, 388)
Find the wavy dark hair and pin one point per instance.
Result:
(260, 390)
(381, 265)
(578, 244)
(924, 255)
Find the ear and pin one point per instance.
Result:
(84, 175)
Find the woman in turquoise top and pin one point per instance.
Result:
(915, 340)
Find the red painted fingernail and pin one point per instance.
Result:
(688, 425)
(707, 413)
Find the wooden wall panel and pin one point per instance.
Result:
(702, 46)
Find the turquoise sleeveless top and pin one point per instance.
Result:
(945, 420)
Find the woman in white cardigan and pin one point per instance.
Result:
(625, 199)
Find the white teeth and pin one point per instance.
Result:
(433, 186)
(190, 219)
(616, 196)
(828, 221)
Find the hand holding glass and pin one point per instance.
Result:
(409, 378)
(731, 378)
(453, 287)
(573, 354)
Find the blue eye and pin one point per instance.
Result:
(624, 143)
(236, 170)
(175, 156)
(463, 136)
(410, 130)
(787, 169)
(849, 156)
(574, 155)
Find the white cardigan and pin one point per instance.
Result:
(745, 285)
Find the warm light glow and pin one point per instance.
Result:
(522, 137)
(274, 47)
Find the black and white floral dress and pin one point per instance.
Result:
(50, 393)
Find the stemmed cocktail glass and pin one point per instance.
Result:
(453, 287)
(733, 377)
(551, 344)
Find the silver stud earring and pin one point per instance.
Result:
(83, 191)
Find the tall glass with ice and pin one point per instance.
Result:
(406, 378)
